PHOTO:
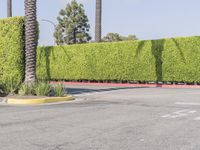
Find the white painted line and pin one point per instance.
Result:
(165, 116)
(192, 111)
(197, 118)
(141, 140)
(183, 103)
(180, 113)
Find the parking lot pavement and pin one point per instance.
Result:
(106, 118)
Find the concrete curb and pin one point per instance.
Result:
(128, 85)
(34, 101)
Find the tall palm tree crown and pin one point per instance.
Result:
(31, 38)
(98, 20)
(9, 8)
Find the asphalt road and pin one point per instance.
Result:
(106, 118)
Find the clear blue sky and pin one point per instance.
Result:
(147, 19)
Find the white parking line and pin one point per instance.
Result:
(180, 113)
(183, 103)
(197, 118)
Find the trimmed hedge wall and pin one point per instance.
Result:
(11, 50)
(175, 59)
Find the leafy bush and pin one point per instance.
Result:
(11, 52)
(175, 59)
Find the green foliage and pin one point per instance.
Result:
(112, 37)
(38, 89)
(11, 52)
(72, 25)
(42, 89)
(129, 38)
(26, 89)
(59, 90)
(10, 86)
(115, 37)
(175, 59)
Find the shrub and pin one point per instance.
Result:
(38, 89)
(11, 86)
(11, 52)
(42, 89)
(26, 89)
(59, 90)
(175, 59)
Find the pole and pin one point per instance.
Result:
(9, 8)
(52, 24)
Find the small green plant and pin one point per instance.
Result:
(10, 86)
(59, 90)
(26, 89)
(42, 89)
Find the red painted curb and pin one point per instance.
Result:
(127, 85)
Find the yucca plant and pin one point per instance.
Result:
(59, 90)
(42, 89)
(10, 86)
(26, 89)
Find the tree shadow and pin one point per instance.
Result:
(46, 52)
(66, 54)
(180, 50)
(89, 90)
(157, 49)
(139, 48)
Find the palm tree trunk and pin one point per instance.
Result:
(98, 20)
(31, 38)
(9, 8)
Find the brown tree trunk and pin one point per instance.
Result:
(98, 20)
(74, 36)
(9, 8)
(31, 38)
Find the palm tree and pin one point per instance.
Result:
(31, 38)
(98, 20)
(9, 8)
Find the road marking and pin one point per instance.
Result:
(141, 140)
(183, 103)
(197, 118)
(192, 111)
(180, 113)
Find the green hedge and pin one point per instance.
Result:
(11, 50)
(175, 59)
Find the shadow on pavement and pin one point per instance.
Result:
(87, 90)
